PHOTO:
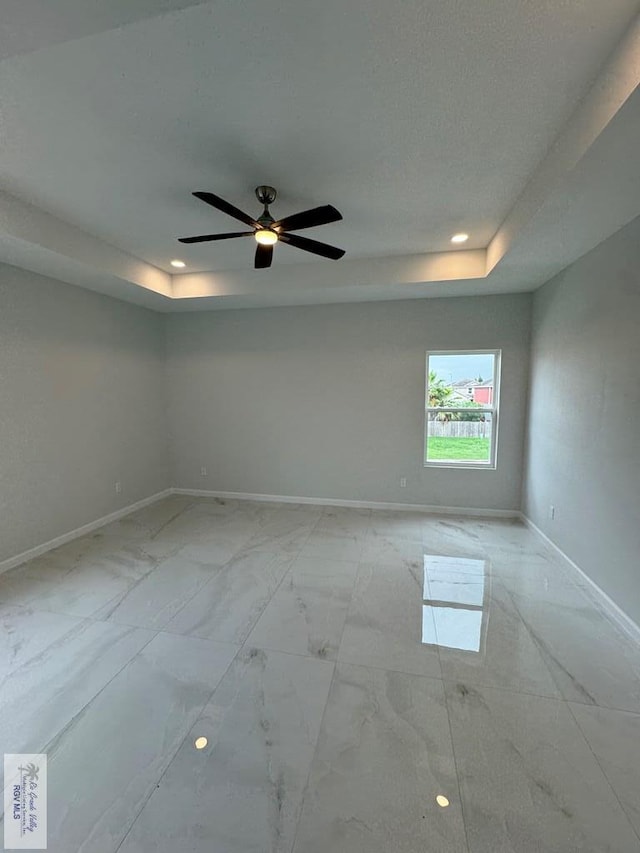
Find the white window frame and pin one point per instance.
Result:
(492, 463)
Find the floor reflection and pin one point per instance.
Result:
(454, 602)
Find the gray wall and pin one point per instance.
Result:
(328, 401)
(82, 404)
(583, 445)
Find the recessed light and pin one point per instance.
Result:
(200, 742)
(177, 263)
(459, 238)
(442, 801)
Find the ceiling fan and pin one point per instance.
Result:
(267, 231)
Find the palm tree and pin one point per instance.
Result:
(439, 394)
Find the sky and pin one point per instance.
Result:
(451, 368)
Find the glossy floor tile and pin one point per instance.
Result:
(384, 624)
(383, 756)
(392, 550)
(40, 697)
(339, 534)
(348, 669)
(25, 632)
(590, 661)
(229, 604)
(158, 597)
(284, 531)
(529, 780)
(243, 791)
(614, 737)
(489, 646)
(153, 701)
(306, 616)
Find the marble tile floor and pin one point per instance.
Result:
(345, 668)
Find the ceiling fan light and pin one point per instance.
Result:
(266, 237)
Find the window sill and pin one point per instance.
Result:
(475, 466)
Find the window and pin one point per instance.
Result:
(461, 409)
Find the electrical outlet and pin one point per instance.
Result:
(403, 482)
(203, 471)
(552, 512)
(118, 487)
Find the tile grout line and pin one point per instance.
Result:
(455, 766)
(294, 557)
(534, 639)
(282, 580)
(106, 684)
(219, 569)
(543, 655)
(107, 620)
(137, 581)
(305, 788)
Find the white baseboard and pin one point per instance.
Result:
(12, 562)
(38, 550)
(626, 624)
(401, 507)
(617, 615)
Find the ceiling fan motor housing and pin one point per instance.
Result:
(266, 195)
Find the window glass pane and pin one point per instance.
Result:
(462, 379)
(459, 436)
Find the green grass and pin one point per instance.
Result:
(460, 449)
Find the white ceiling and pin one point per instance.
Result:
(416, 118)
(28, 25)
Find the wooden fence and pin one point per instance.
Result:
(460, 429)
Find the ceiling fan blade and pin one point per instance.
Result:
(309, 218)
(206, 238)
(264, 255)
(312, 246)
(225, 207)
